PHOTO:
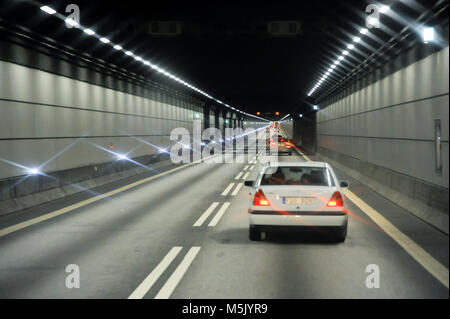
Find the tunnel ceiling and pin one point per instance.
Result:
(223, 47)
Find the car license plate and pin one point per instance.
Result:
(298, 200)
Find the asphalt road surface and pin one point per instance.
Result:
(185, 235)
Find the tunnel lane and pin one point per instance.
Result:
(182, 236)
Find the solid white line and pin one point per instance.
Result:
(237, 189)
(229, 187)
(245, 168)
(434, 267)
(19, 226)
(206, 214)
(148, 282)
(178, 274)
(219, 214)
(245, 176)
(238, 175)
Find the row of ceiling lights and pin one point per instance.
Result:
(428, 35)
(117, 47)
(372, 21)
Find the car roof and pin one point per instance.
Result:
(298, 164)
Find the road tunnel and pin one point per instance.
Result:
(121, 129)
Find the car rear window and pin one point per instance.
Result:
(295, 175)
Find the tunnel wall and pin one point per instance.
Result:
(58, 112)
(304, 132)
(386, 130)
(44, 114)
(287, 128)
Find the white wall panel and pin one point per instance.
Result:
(400, 125)
(62, 107)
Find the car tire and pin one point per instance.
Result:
(254, 234)
(341, 234)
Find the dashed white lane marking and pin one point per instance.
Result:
(22, 225)
(178, 274)
(239, 175)
(245, 168)
(237, 189)
(148, 282)
(219, 214)
(205, 215)
(251, 167)
(245, 176)
(439, 271)
(229, 187)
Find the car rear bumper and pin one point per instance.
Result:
(325, 219)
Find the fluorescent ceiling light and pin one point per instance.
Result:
(428, 34)
(356, 39)
(363, 31)
(117, 47)
(384, 9)
(350, 46)
(71, 22)
(344, 52)
(89, 31)
(48, 10)
(104, 40)
(372, 21)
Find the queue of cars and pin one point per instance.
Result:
(296, 196)
(277, 143)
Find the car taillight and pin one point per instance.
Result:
(288, 144)
(336, 200)
(260, 199)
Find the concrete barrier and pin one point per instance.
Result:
(424, 200)
(19, 193)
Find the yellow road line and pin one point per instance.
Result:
(33, 221)
(434, 267)
(305, 157)
(439, 271)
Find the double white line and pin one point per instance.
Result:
(208, 212)
(235, 191)
(174, 279)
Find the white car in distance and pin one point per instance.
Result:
(297, 195)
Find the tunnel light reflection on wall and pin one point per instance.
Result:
(122, 157)
(33, 171)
